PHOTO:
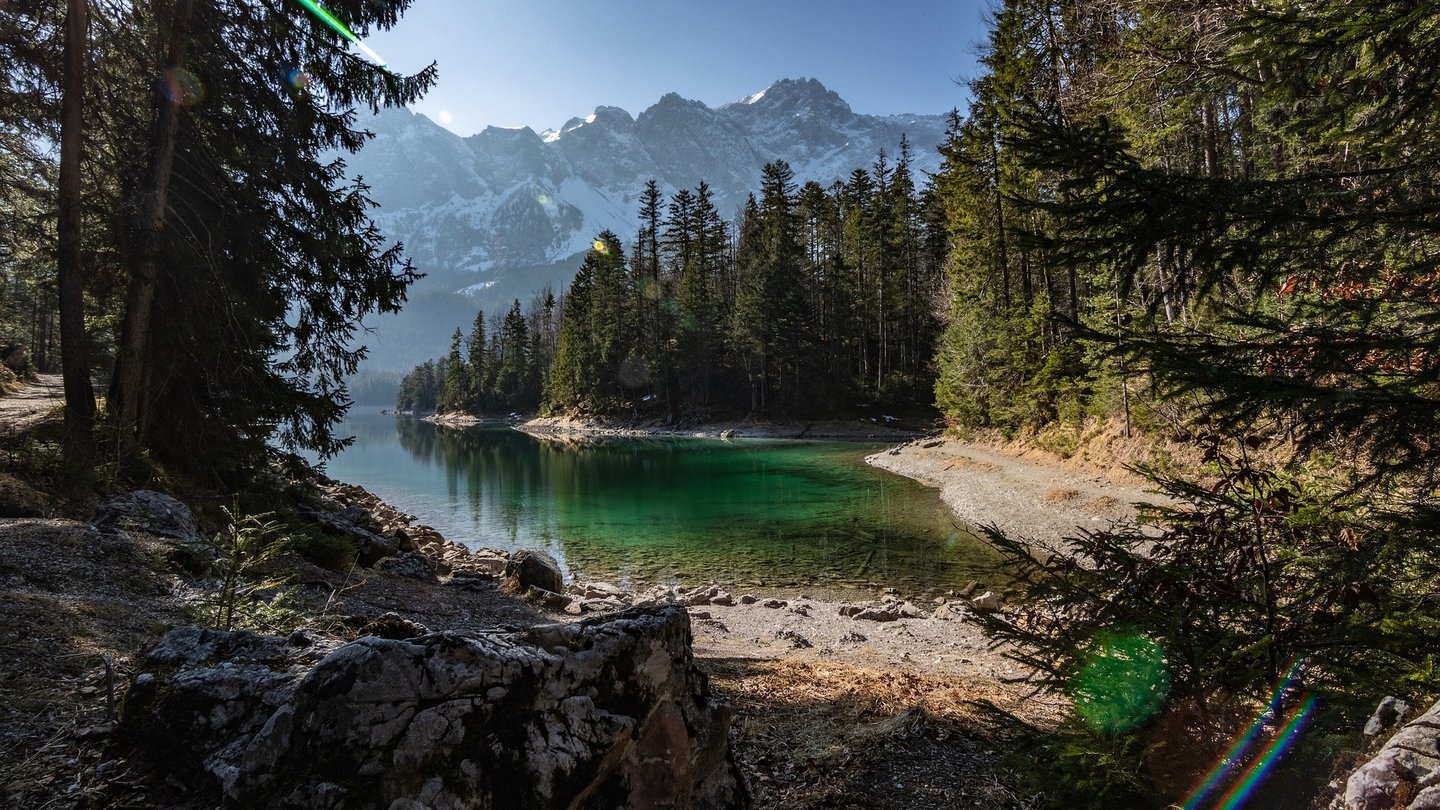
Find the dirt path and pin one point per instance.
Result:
(27, 406)
(1028, 499)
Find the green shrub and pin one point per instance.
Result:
(1074, 766)
(250, 594)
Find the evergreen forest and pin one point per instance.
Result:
(1213, 226)
(815, 299)
(1201, 226)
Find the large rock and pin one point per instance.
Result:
(149, 512)
(608, 713)
(355, 524)
(1409, 762)
(529, 568)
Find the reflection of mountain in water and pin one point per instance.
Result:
(760, 513)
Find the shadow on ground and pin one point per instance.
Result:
(818, 735)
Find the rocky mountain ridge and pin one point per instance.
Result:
(505, 199)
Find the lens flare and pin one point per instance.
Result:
(339, 27)
(1290, 731)
(634, 372)
(600, 246)
(1243, 743)
(1123, 684)
(181, 87)
(298, 78)
(1299, 718)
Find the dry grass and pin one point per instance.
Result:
(814, 734)
(1099, 505)
(1061, 495)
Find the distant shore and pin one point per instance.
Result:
(878, 428)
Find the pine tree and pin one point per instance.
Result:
(79, 449)
(772, 320)
(481, 374)
(695, 236)
(252, 256)
(512, 374)
(458, 384)
(596, 336)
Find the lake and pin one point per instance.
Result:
(776, 516)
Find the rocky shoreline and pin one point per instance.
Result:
(134, 567)
(934, 637)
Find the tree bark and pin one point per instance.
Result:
(79, 442)
(129, 392)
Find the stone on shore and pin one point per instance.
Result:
(530, 568)
(150, 512)
(878, 614)
(986, 601)
(1389, 711)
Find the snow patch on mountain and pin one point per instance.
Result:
(509, 198)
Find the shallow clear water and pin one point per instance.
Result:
(778, 515)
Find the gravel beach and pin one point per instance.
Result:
(1038, 501)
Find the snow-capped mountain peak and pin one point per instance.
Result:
(470, 204)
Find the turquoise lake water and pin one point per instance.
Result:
(770, 515)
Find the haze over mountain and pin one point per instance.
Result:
(500, 214)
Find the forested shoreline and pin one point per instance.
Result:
(1208, 225)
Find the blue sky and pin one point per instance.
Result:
(525, 63)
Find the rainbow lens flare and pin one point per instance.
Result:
(181, 87)
(341, 29)
(1295, 723)
(1299, 718)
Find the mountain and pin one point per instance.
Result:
(503, 212)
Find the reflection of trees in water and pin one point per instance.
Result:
(647, 509)
(500, 471)
(417, 438)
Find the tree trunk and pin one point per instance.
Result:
(1004, 258)
(129, 391)
(1208, 132)
(79, 395)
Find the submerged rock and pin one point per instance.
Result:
(607, 713)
